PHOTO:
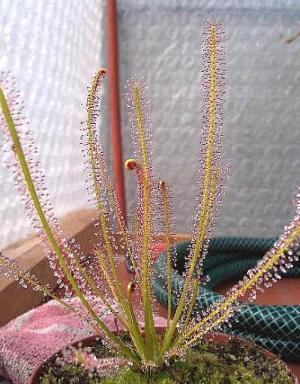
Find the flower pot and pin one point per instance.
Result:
(218, 338)
(88, 341)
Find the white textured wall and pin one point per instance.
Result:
(52, 47)
(161, 40)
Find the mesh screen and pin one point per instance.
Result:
(52, 48)
(161, 40)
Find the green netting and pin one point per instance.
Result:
(275, 327)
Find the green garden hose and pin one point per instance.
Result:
(276, 327)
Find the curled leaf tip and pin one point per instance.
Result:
(130, 164)
(131, 287)
(103, 71)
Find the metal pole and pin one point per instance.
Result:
(114, 102)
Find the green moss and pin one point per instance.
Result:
(132, 377)
(209, 363)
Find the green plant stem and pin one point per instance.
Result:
(150, 333)
(95, 163)
(17, 147)
(166, 214)
(205, 204)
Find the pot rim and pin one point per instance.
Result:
(216, 337)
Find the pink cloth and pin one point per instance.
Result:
(30, 339)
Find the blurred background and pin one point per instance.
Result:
(53, 48)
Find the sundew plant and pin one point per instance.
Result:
(97, 280)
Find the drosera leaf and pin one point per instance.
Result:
(211, 166)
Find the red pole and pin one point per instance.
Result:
(114, 103)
